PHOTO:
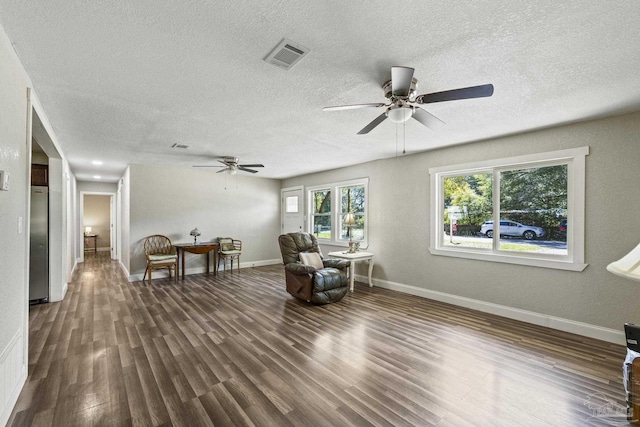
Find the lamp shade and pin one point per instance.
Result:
(400, 114)
(87, 230)
(349, 220)
(628, 266)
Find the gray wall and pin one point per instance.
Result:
(173, 201)
(399, 225)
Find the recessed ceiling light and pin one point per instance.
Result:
(96, 177)
(97, 162)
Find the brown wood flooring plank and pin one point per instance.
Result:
(236, 350)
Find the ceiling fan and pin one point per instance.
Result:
(403, 103)
(232, 167)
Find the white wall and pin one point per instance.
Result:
(399, 225)
(173, 201)
(17, 105)
(72, 220)
(14, 159)
(124, 192)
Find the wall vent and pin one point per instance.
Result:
(286, 54)
(176, 145)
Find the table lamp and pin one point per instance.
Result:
(349, 223)
(195, 233)
(87, 231)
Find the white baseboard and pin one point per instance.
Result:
(250, 264)
(124, 269)
(199, 270)
(13, 374)
(566, 325)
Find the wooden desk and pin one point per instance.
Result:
(87, 238)
(355, 257)
(198, 248)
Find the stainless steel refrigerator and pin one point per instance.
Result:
(39, 245)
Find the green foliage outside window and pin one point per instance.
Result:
(535, 196)
(352, 200)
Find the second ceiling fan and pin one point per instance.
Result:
(403, 103)
(231, 166)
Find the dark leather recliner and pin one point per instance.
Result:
(320, 286)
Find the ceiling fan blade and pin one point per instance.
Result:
(224, 163)
(452, 95)
(353, 107)
(401, 80)
(246, 170)
(373, 124)
(207, 166)
(427, 119)
(251, 166)
(223, 170)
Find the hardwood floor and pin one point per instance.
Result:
(236, 349)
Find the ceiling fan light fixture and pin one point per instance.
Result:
(399, 114)
(232, 170)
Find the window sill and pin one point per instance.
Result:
(511, 259)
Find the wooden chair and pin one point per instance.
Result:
(229, 248)
(160, 253)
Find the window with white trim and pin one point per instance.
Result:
(521, 210)
(328, 208)
(321, 213)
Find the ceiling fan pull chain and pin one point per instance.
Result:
(404, 139)
(396, 141)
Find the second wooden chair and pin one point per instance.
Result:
(229, 248)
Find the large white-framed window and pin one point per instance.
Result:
(521, 210)
(329, 205)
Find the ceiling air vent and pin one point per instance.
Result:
(286, 54)
(176, 145)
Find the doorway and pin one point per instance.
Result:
(39, 225)
(97, 214)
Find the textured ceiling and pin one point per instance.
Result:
(123, 81)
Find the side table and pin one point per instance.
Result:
(87, 239)
(355, 257)
(198, 248)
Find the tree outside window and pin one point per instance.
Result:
(321, 220)
(328, 205)
(521, 210)
(352, 200)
